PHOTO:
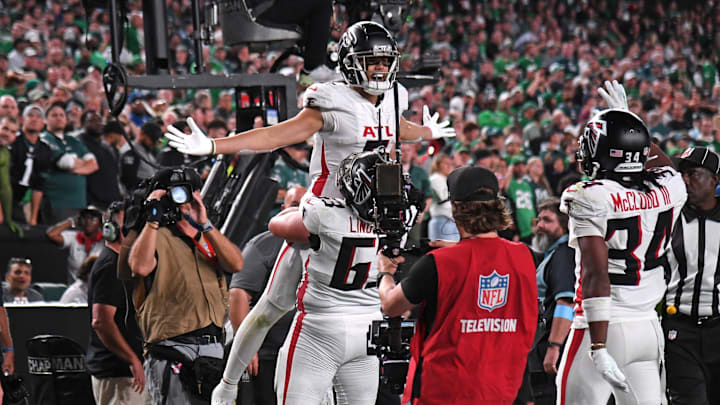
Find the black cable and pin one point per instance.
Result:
(397, 122)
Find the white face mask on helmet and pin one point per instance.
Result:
(362, 45)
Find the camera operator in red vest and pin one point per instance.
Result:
(478, 303)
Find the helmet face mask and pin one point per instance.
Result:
(614, 143)
(365, 44)
(356, 181)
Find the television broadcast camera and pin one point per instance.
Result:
(397, 206)
(179, 183)
(389, 340)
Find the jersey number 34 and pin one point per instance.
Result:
(636, 259)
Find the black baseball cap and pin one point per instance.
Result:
(702, 157)
(464, 184)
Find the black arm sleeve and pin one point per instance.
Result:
(561, 277)
(421, 282)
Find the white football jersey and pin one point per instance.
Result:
(637, 227)
(351, 124)
(340, 272)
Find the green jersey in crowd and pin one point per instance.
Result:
(63, 188)
(520, 193)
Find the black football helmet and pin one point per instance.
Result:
(614, 142)
(359, 45)
(356, 182)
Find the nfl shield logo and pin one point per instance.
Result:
(672, 334)
(492, 293)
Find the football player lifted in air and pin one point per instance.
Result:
(355, 116)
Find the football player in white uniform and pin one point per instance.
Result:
(338, 297)
(354, 116)
(620, 225)
(345, 118)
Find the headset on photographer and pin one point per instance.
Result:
(111, 230)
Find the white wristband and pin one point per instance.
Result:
(596, 309)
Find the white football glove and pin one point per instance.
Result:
(614, 96)
(608, 368)
(194, 144)
(224, 394)
(439, 130)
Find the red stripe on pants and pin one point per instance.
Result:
(291, 352)
(574, 346)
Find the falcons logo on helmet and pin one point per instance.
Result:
(593, 131)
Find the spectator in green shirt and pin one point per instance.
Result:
(65, 187)
(520, 194)
(289, 172)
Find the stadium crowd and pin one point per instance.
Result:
(518, 81)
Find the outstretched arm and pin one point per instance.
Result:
(294, 130)
(431, 129)
(410, 131)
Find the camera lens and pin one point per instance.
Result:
(179, 195)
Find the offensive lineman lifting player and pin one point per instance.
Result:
(620, 225)
(345, 118)
(338, 298)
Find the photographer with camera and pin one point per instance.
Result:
(180, 294)
(479, 303)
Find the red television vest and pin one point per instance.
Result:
(486, 316)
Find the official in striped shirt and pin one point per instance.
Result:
(691, 322)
